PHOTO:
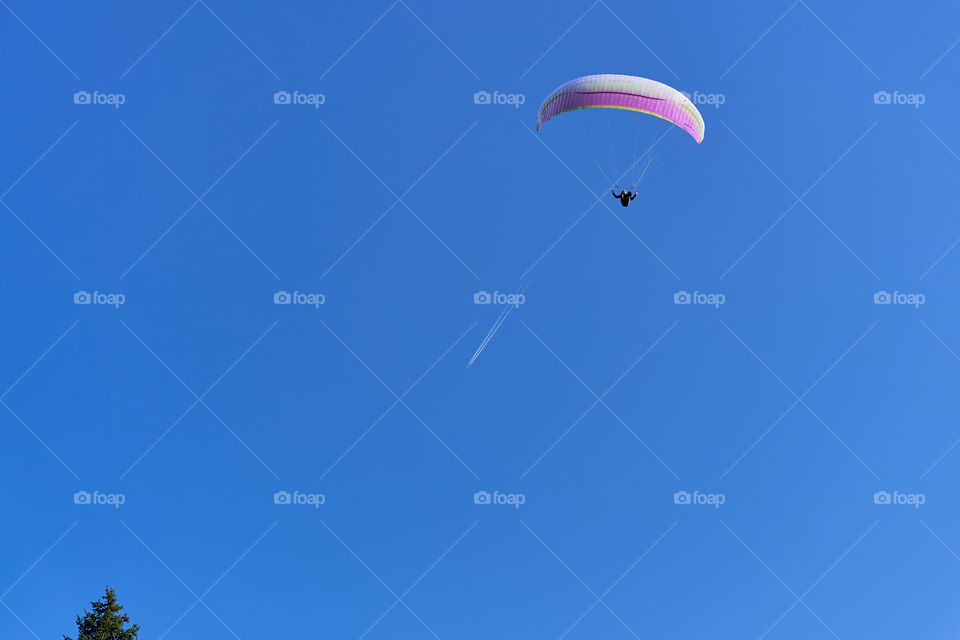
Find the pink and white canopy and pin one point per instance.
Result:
(613, 91)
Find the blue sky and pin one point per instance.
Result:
(825, 180)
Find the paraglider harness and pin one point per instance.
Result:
(624, 196)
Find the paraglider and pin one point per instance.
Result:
(613, 91)
(627, 93)
(617, 92)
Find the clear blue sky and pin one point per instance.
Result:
(398, 199)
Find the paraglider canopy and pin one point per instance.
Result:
(613, 91)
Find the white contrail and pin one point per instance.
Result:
(496, 325)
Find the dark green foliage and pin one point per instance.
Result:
(105, 621)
